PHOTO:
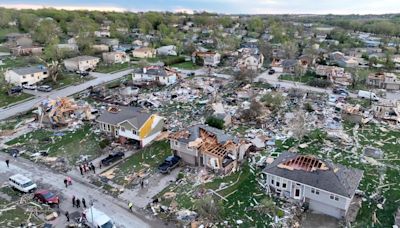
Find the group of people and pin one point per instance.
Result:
(67, 181)
(76, 202)
(86, 167)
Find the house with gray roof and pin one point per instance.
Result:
(202, 145)
(326, 187)
(131, 124)
(26, 75)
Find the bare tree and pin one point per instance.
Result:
(209, 208)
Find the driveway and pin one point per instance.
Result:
(100, 78)
(115, 208)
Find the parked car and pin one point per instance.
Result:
(169, 164)
(15, 89)
(340, 91)
(30, 87)
(44, 88)
(271, 71)
(22, 183)
(95, 218)
(84, 74)
(190, 74)
(112, 158)
(47, 197)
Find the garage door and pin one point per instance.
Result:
(325, 209)
(188, 158)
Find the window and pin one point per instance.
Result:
(312, 190)
(317, 192)
(32, 75)
(331, 196)
(278, 184)
(23, 76)
(122, 129)
(336, 198)
(134, 132)
(283, 185)
(272, 181)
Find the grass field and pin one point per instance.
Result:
(147, 158)
(67, 144)
(242, 196)
(103, 68)
(6, 100)
(186, 66)
(304, 79)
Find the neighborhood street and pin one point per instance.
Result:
(100, 78)
(48, 179)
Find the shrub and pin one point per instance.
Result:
(174, 60)
(215, 122)
(104, 143)
(321, 83)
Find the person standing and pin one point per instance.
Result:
(80, 169)
(73, 201)
(130, 205)
(66, 182)
(8, 163)
(93, 168)
(67, 215)
(78, 203)
(83, 202)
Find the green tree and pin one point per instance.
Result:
(27, 21)
(46, 32)
(145, 26)
(215, 122)
(256, 24)
(5, 17)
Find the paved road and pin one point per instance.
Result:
(100, 78)
(46, 178)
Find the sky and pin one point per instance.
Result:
(221, 6)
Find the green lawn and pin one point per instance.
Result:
(241, 197)
(15, 217)
(6, 100)
(67, 144)
(186, 66)
(103, 68)
(147, 158)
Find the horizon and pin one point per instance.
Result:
(227, 7)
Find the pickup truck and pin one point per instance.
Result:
(112, 158)
(169, 164)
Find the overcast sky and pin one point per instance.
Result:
(222, 6)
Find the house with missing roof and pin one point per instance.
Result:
(81, 63)
(159, 74)
(327, 188)
(26, 75)
(131, 124)
(202, 145)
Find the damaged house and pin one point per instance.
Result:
(382, 80)
(335, 74)
(131, 124)
(326, 187)
(202, 145)
(158, 74)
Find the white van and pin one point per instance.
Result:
(368, 95)
(22, 183)
(96, 218)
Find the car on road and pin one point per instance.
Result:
(111, 158)
(95, 218)
(190, 74)
(44, 88)
(15, 89)
(45, 196)
(30, 87)
(169, 164)
(271, 71)
(84, 74)
(367, 95)
(340, 91)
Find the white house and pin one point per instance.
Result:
(167, 50)
(26, 75)
(251, 62)
(206, 58)
(81, 63)
(115, 57)
(162, 75)
(131, 124)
